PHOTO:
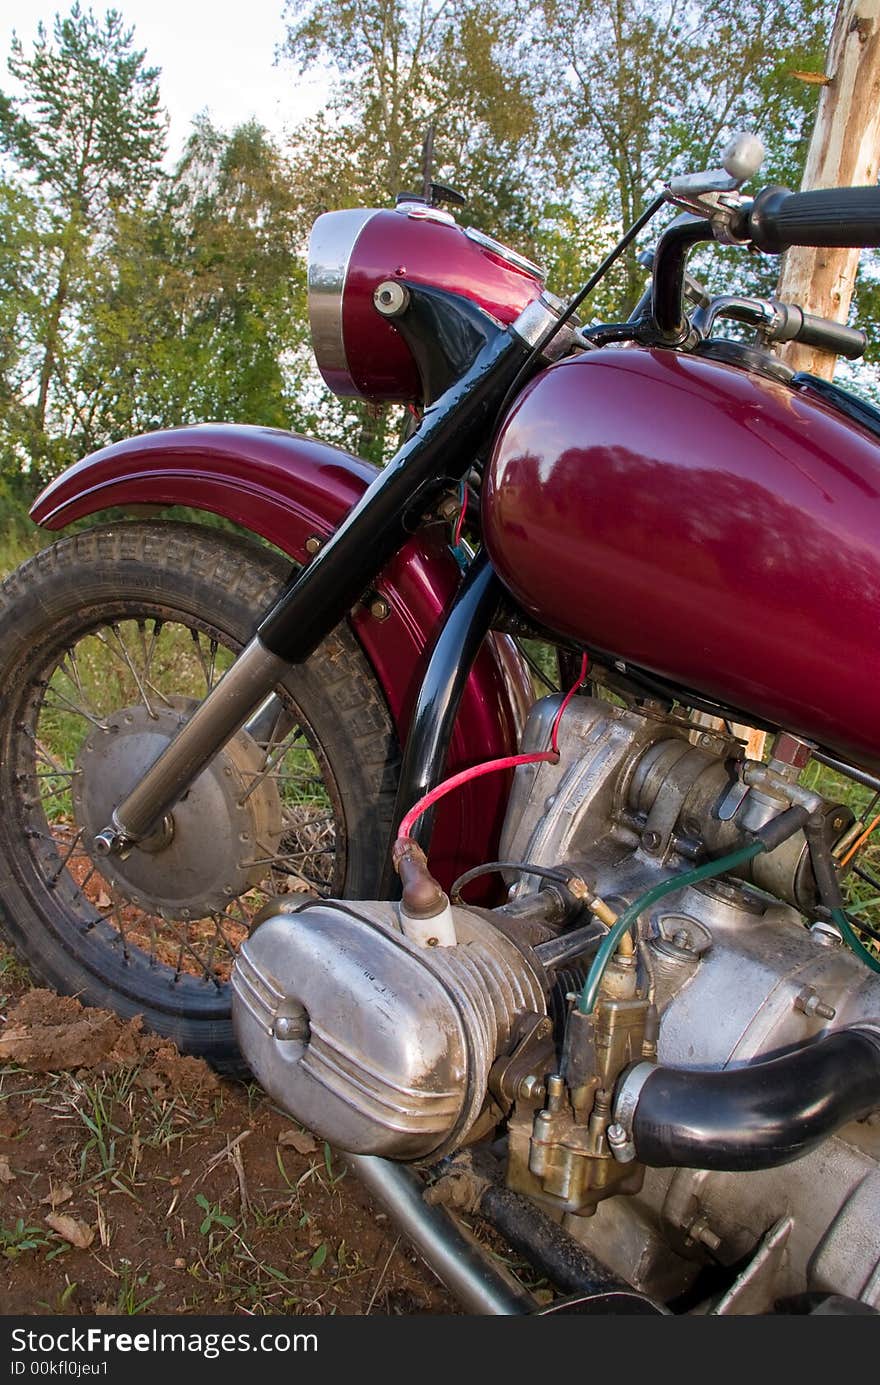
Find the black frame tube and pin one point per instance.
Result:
(468, 622)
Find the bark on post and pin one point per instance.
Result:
(844, 152)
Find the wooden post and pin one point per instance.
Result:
(844, 152)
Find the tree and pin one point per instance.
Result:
(88, 134)
(400, 66)
(646, 88)
(197, 311)
(844, 152)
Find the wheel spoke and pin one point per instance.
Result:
(68, 705)
(53, 879)
(274, 757)
(123, 647)
(208, 666)
(71, 670)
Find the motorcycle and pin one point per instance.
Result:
(645, 1046)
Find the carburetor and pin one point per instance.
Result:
(561, 1132)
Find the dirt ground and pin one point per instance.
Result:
(134, 1180)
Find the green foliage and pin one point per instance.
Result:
(199, 310)
(213, 1216)
(401, 67)
(86, 135)
(18, 1238)
(648, 88)
(89, 127)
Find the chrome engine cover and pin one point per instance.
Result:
(738, 976)
(375, 1043)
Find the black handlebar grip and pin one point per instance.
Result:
(832, 336)
(834, 217)
(793, 324)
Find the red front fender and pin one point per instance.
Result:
(288, 488)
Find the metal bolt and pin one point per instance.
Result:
(555, 1093)
(701, 1231)
(651, 841)
(809, 1002)
(106, 842)
(379, 608)
(531, 1088)
(390, 298)
(287, 1027)
(682, 939)
(313, 543)
(580, 889)
(620, 1143)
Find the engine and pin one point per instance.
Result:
(710, 1119)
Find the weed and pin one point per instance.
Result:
(131, 1287)
(213, 1216)
(18, 1238)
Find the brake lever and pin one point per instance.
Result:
(714, 193)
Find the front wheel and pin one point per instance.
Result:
(108, 641)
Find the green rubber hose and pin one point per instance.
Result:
(839, 918)
(587, 998)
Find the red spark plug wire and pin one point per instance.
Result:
(464, 776)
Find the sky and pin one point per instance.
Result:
(215, 55)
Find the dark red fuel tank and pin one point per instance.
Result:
(707, 524)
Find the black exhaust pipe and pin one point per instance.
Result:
(754, 1117)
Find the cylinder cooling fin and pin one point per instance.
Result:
(375, 1043)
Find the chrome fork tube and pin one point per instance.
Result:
(226, 708)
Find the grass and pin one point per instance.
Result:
(17, 544)
(18, 1238)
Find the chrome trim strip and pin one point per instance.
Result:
(331, 243)
(504, 251)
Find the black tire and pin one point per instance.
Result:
(193, 579)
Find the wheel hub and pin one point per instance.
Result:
(218, 840)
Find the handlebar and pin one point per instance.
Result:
(780, 322)
(796, 325)
(833, 217)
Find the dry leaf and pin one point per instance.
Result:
(6, 1174)
(103, 901)
(300, 1140)
(78, 1233)
(56, 1196)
